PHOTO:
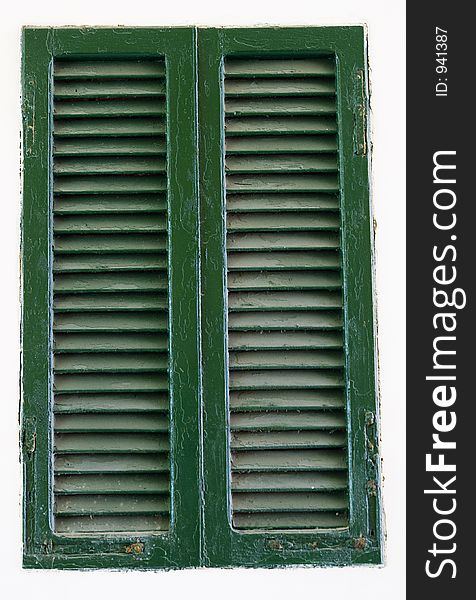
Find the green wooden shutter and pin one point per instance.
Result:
(198, 347)
(110, 339)
(290, 455)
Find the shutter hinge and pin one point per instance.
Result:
(360, 113)
(29, 437)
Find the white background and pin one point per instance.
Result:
(386, 27)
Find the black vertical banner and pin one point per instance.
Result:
(441, 296)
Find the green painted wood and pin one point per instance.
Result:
(298, 122)
(270, 134)
(120, 225)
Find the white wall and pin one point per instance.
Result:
(387, 56)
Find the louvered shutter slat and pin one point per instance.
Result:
(286, 381)
(110, 342)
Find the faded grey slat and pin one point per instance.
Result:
(280, 87)
(108, 146)
(110, 403)
(287, 482)
(141, 107)
(125, 524)
(284, 399)
(279, 67)
(108, 89)
(111, 484)
(279, 106)
(286, 440)
(107, 69)
(288, 520)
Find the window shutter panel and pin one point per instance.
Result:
(116, 483)
(291, 468)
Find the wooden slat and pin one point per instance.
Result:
(279, 67)
(284, 280)
(98, 263)
(109, 342)
(78, 283)
(283, 399)
(245, 183)
(108, 69)
(279, 106)
(118, 423)
(281, 163)
(288, 421)
(296, 359)
(112, 184)
(286, 440)
(106, 443)
(110, 505)
(288, 460)
(285, 380)
(125, 524)
(279, 125)
(108, 166)
(279, 144)
(140, 107)
(110, 204)
(110, 224)
(111, 463)
(99, 127)
(319, 300)
(99, 382)
(289, 340)
(297, 502)
(111, 484)
(285, 321)
(315, 520)
(111, 322)
(111, 362)
(115, 302)
(280, 87)
(108, 89)
(110, 403)
(247, 203)
(109, 146)
(117, 243)
(314, 240)
(275, 261)
(287, 482)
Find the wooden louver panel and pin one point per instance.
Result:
(110, 354)
(285, 336)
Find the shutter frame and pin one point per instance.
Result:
(180, 545)
(361, 542)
